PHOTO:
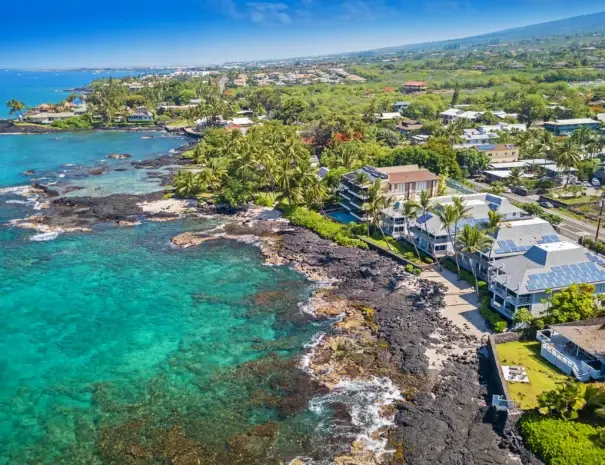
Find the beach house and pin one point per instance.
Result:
(431, 235)
(576, 348)
(522, 281)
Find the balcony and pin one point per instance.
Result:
(568, 357)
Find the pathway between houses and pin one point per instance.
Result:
(461, 303)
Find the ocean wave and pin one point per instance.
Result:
(47, 236)
(310, 346)
(365, 401)
(21, 202)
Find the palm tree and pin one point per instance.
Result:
(472, 241)
(449, 216)
(410, 210)
(567, 156)
(514, 177)
(374, 204)
(15, 106)
(494, 220)
(187, 184)
(544, 144)
(424, 203)
(582, 136)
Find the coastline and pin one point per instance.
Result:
(8, 128)
(385, 323)
(428, 416)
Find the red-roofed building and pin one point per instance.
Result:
(415, 86)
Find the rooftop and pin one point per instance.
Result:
(565, 122)
(416, 83)
(589, 335)
(551, 264)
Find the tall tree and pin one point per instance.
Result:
(15, 106)
(449, 216)
(424, 203)
(567, 156)
(472, 241)
(409, 212)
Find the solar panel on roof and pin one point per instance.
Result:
(556, 268)
(498, 251)
(502, 243)
(511, 243)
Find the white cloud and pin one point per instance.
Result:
(261, 12)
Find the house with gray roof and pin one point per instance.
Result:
(432, 237)
(510, 239)
(524, 281)
(576, 348)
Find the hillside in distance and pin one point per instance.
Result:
(584, 24)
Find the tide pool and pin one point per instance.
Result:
(105, 330)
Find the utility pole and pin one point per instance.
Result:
(601, 203)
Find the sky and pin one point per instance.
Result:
(121, 33)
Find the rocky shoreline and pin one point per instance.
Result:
(7, 127)
(389, 319)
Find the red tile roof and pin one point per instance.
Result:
(412, 176)
(416, 83)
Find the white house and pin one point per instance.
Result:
(141, 116)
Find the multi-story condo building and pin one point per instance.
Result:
(522, 281)
(399, 183)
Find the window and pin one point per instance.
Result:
(440, 248)
(420, 186)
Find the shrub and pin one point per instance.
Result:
(412, 269)
(265, 199)
(497, 323)
(561, 442)
(598, 247)
(75, 122)
(323, 226)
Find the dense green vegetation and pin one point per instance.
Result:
(323, 226)
(561, 442)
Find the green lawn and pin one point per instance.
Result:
(542, 375)
(405, 249)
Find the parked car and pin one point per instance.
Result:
(545, 204)
(596, 182)
(586, 184)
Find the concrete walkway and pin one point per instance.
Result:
(461, 303)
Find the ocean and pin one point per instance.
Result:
(36, 87)
(114, 340)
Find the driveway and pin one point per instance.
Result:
(461, 303)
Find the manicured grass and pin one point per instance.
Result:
(400, 247)
(542, 375)
(579, 200)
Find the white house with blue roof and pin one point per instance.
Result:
(522, 281)
(428, 230)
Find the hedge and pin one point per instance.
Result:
(537, 210)
(494, 319)
(324, 227)
(562, 442)
(595, 246)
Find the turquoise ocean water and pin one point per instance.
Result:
(114, 345)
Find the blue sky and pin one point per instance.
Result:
(80, 33)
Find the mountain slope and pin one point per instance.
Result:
(569, 26)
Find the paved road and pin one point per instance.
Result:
(570, 227)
